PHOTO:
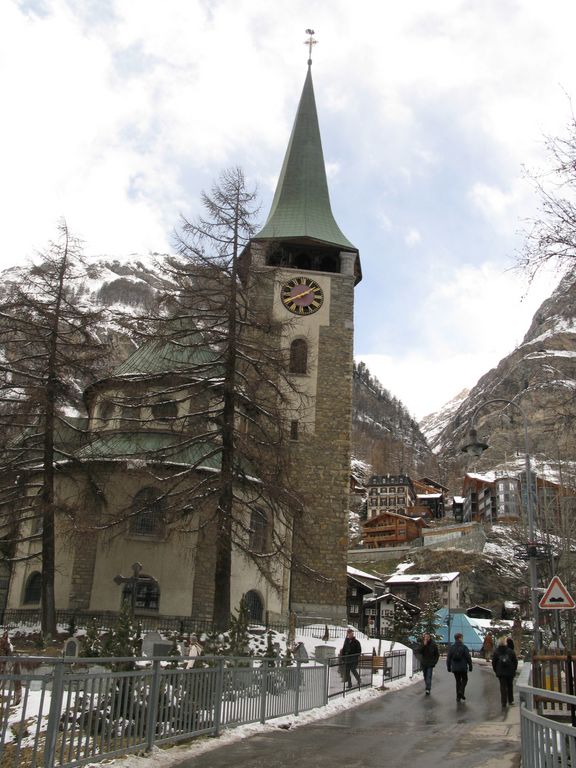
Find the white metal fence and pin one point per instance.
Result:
(547, 741)
(66, 712)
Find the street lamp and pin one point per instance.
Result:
(475, 447)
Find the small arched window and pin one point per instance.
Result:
(298, 356)
(258, 531)
(255, 606)
(148, 513)
(106, 409)
(33, 589)
(130, 413)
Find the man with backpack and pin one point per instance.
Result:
(504, 664)
(459, 662)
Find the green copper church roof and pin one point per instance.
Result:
(301, 205)
(159, 356)
(153, 447)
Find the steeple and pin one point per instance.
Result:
(301, 206)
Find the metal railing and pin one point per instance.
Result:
(548, 739)
(350, 675)
(67, 712)
(107, 620)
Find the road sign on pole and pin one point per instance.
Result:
(556, 597)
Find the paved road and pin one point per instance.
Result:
(404, 729)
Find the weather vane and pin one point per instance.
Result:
(310, 42)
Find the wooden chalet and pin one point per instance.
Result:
(389, 529)
(479, 612)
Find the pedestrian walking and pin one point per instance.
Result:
(350, 655)
(428, 654)
(459, 662)
(505, 664)
(488, 646)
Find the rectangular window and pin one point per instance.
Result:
(293, 430)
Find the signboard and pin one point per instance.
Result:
(556, 596)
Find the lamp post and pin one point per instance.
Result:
(475, 447)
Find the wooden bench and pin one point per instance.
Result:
(376, 663)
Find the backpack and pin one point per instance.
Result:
(458, 653)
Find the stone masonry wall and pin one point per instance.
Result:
(321, 469)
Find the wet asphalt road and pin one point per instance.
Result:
(404, 729)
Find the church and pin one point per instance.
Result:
(312, 269)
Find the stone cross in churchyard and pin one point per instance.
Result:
(133, 581)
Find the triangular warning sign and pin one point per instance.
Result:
(556, 596)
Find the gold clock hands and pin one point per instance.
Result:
(300, 295)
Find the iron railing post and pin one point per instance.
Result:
(297, 701)
(264, 669)
(52, 727)
(153, 700)
(218, 697)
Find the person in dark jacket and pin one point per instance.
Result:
(505, 664)
(428, 654)
(350, 655)
(459, 662)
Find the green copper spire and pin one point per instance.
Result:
(301, 205)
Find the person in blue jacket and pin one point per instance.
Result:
(459, 662)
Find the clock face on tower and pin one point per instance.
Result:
(301, 295)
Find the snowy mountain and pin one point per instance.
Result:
(540, 376)
(383, 432)
(435, 423)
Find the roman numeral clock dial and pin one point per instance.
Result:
(301, 296)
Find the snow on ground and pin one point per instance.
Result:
(163, 758)
(401, 567)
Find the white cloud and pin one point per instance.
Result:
(499, 207)
(384, 221)
(118, 114)
(469, 323)
(412, 238)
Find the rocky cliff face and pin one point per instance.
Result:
(383, 432)
(540, 376)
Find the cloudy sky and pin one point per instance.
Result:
(117, 113)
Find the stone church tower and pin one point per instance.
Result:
(314, 269)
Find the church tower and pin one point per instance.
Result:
(314, 269)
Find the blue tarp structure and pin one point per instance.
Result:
(459, 622)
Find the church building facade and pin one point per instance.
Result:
(311, 270)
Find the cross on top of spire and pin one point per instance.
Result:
(310, 42)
